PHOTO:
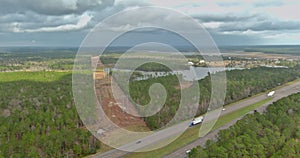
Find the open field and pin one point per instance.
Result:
(39, 76)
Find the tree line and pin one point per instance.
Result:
(39, 118)
(275, 133)
(240, 84)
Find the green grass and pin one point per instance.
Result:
(3, 67)
(192, 133)
(40, 76)
(241, 112)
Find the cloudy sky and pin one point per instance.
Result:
(67, 22)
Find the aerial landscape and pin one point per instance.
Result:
(151, 79)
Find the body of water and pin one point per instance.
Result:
(195, 73)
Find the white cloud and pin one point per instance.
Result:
(295, 36)
(270, 19)
(82, 23)
(53, 7)
(212, 25)
(283, 37)
(247, 33)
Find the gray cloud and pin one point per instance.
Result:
(52, 15)
(235, 39)
(266, 25)
(255, 22)
(61, 17)
(32, 21)
(53, 7)
(224, 17)
(82, 22)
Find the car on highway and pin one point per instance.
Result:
(188, 151)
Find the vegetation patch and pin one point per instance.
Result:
(240, 84)
(39, 118)
(275, 133)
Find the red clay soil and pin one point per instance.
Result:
(109, 105)
(112, 108)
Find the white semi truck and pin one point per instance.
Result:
(271, 94)
(196, 120)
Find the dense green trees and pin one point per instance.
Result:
(38, 117)
(275, 133)
(240, 84)
(247, 82)
(139, 93)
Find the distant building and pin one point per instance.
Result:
(190, 63)
(277, 62)
(202, 61)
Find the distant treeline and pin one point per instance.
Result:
(39, 60)
(294, 50)
(150, 66)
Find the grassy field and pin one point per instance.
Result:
(236, 114)
(192, 133)
(40, 76)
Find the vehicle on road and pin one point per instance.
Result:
(271, 94)
(188, 151)
(196, 121)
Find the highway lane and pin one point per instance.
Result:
(172, 131)
(279, 93)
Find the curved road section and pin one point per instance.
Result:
(280, 92)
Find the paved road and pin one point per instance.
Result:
(280, 93)
(171, 131)
(147, 141)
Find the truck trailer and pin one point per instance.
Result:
(271, 94)
(196, 121)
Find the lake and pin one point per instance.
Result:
(188, 75)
